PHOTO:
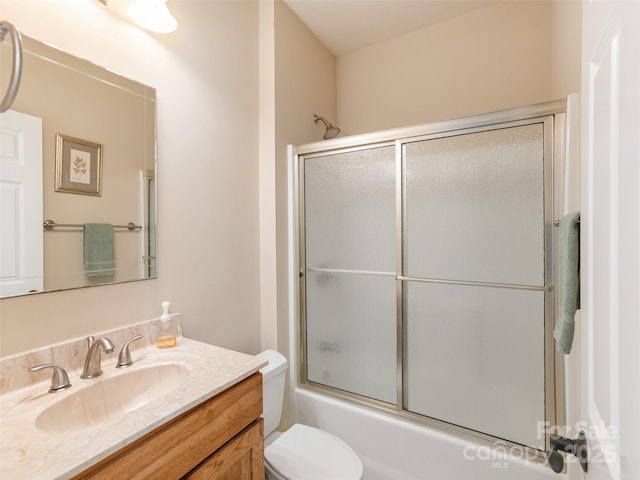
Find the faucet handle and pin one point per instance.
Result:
(124, 358)
(59, 380)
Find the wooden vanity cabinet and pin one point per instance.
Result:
(241, 458)
(220, 439)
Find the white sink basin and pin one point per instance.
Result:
(112, 397)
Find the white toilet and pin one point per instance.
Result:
(302, 452)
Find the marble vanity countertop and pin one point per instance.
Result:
(31, 453)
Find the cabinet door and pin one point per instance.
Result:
(242, 458)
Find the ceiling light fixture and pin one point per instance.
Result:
(153, 15)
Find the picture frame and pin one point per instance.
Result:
(78, 166)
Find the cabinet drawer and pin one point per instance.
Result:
(240, 459)
(177, 447)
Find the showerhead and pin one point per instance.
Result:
(330, 130)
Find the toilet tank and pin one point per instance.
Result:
(273, 376)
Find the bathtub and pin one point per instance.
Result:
(398, 449)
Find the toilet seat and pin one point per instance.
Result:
(308, 453)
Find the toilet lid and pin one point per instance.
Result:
(307, 453)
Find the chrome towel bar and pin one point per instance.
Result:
(556, 223)
(50, 225)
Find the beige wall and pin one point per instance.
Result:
(206, 74)
(566, 44)
(493, 58)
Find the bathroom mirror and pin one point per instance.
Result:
(78, 147)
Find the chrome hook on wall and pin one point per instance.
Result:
(16, 73)
(577, 447)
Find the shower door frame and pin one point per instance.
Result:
(553, 117)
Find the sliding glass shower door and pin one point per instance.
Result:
(474, 273)
(426, 276)
(350, 283)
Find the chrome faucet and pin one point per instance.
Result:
(92, 362)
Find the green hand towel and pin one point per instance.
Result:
(568, 281)
(98, 249)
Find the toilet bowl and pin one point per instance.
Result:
(302, 452)
(308, 453)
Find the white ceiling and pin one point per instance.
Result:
(347, 25)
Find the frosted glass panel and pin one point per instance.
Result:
(475, 206)
(475, 358)
(350, 210)
(351, 327)
(473, 211)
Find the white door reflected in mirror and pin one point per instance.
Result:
(21, 265)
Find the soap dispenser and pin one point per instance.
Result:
(167, 337)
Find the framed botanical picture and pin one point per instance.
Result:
(78, 166)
